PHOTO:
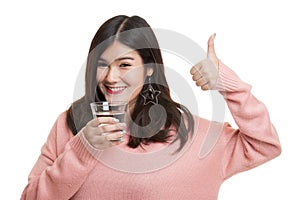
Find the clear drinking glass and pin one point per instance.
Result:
(116, 109)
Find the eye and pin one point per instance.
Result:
(102, 64)
(125, 65)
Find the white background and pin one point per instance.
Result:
(43, 46)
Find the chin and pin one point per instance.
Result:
(115, 98)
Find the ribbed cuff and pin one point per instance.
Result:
(85, 151)
(228, 80)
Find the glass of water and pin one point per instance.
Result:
(116, 109)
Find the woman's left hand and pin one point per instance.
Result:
(206, 72)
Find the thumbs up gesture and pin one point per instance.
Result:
(205, 73)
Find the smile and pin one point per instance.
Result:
(115, 90)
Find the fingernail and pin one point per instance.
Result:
(116, 120)
(123, 132)
(123, 124)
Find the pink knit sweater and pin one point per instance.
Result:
(70, 168)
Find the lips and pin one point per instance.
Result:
(115, 90)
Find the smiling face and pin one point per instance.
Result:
(120, 73)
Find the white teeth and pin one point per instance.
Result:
(116, 89)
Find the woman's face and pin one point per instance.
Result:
(121, 73)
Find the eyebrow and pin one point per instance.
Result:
(118, 59)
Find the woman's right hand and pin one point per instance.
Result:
(104, 132)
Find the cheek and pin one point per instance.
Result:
(135, 77)
(99, 78)
(100, 75)
(135, 80)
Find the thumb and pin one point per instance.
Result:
(211, 46)
(211, 54)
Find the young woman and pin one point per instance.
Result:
(162, 151)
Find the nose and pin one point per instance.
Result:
(113, 74)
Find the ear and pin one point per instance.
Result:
(149, 71)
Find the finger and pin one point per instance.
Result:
(94, 123)
(193, 70)
(111, 127)
(197, 76)
(116, 142)
(201, 82)
(101, 142)
(115, 136)
(211, 53)
(205, 86)
(97, 121)
(196, 68)
(107, 120)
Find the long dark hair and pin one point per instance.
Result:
(150, 122)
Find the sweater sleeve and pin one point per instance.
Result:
(62, 167)
(255, 141)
